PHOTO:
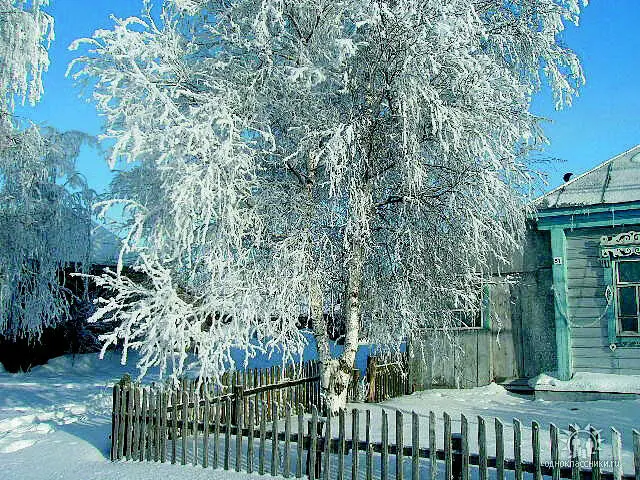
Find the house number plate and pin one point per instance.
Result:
(557, 260)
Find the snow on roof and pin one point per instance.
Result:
(615, 181)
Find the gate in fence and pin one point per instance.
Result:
(275, 428)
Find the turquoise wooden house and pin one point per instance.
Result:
(593, 225)
(568, 303)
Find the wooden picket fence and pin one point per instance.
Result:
(388, 378)
(260, 422)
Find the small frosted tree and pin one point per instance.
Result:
(44, 205)
(291, 153)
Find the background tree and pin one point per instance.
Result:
(45, 207)
(288, 153)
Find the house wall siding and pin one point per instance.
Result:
(587, 305)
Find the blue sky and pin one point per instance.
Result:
(603, 121)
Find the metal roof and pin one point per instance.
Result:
(615, 181)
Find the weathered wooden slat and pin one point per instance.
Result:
(115, 422)
(129, 440)
(239, 399)
(399, 446)
(448, 448)
(300, 443)
(313, 444)
(499, 431)
(216, 434)
(369, 468)
(482, 448)
(251, 429)
(205, 431)
(341, 444)
(136, 423)
(433, 462)
(464, 433)
(384, 468)
(185, 420)
(143, 426)
(286, 468)
(595, 454)
(151, 427)
(555, 452)
(164, 433)
(263, 438)
(326, 467)
(415, 446)
(174, 426)
(575, 462)
(227, 434)
(355, 442)
(196, 420)
(123, 421)
(517, 448)
(616, 453)
(535, 441)
(636, 453)
(274, 440)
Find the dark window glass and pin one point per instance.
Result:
(629, 272)
(627, 302)
(629, 324)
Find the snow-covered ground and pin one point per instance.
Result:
(55, 421)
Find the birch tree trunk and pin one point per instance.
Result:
(337, 372)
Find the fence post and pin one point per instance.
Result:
(227, 433)
(464, 447)
(251, 428)
(274, 438)
(636, 453)
(555, 454)
(300, 443)
(355, 442)
(595, 455)
(341, 444)
(369, 469)
(326, 468)
(517, 448)
(263, 437)
(238, 392)
(616, 453)
(499, 430)
(448, 447)
(174, 425)
(313, 464)
(535, 439)
(415, 446)
(384, 461)
(205, 432)
(185, 420)
(129, 417)
(482, 447)
(433, 448)
(115, 422)
(287, 441)
(399, 446)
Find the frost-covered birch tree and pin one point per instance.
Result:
(290, 153)
(45, 207)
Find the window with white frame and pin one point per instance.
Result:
(626, 278)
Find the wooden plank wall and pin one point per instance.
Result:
(587, 305)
